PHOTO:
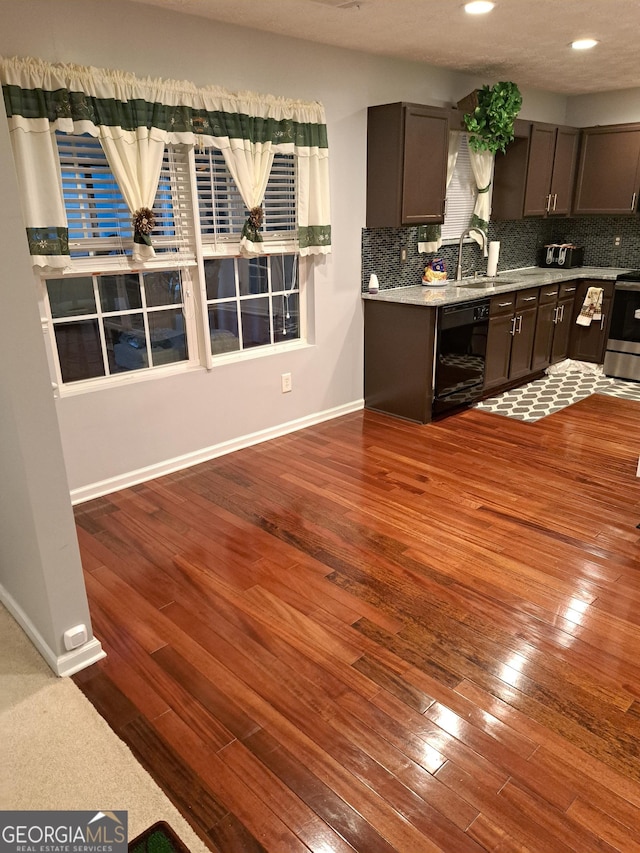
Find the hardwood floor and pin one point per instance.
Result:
(376, 636)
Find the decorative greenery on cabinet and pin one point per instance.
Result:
(489, 116)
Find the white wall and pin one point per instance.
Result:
(108, 434)
(604, 108)
(40, 572)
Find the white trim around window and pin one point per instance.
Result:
(97, 343)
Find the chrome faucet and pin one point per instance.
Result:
(464, 234)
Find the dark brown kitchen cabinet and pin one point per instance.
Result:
(588, 343)
(545, 326)
(510, 339)
(551, 169)
(498, 357)
(609, 170)
(562, 322)
(535, 176)
(523, 337)
(398, 359)
(553, 324)
(407, 149)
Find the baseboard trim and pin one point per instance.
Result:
(178, 463)
(66, 664)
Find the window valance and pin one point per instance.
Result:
(134, 119)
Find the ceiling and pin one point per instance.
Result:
(526, 41)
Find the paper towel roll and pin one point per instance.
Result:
(374, 284)
(492, 260)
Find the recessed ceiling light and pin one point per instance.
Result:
(478, 7)
(583, 44)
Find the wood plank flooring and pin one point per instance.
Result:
(374, 636)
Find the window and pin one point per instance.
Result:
(107, 320)
(461, 195)
(222, 211)
(109, 324)
(252, 302)
(97, 214)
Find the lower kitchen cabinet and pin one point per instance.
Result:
(588, 343)
(496, 368)
(510, 340)
(522, 346)
(553, 324)
(545, 325)
(398, 359)
(527, 330)
(563, 321)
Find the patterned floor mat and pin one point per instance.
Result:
(546, 396)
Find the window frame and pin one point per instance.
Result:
(239, 298)
(190, 261)
(110, 379)
(463, 218)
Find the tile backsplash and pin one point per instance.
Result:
(519, 242)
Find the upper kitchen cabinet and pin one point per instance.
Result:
(407, 146)
(553, 154)
(535, 176)
(609, 170)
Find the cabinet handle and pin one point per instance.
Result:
(519, 323)
(548, 202)
(529, 298)
(602, 319)
(555, 199)
(513, 326)
(551, 293)
(504, 304)
(562, 314)
(633, 201)
(569, 289)
(556, 312)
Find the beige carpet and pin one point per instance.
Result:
(58, 752)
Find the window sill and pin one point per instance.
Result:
(106, 383)
(258, 352)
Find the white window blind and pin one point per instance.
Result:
(461, 195)
(222, 211)
(97, 214)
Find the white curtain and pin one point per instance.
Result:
(430, 236)
(134, 119)
(250, 166)
(314, 236)
(135, 158)
(38, 171)
(482, 168)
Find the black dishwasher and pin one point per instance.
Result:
(460, 355)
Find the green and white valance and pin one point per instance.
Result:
(134, 119)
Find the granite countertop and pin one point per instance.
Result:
(480, 288)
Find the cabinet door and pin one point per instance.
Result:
(522, 347)
(395, 336)
(407, 148)
(499, 338)
(424, 180)
(545, 325)
(608, 172)
(561, 330)
(539, 169)
(587, 343)
(565, 160)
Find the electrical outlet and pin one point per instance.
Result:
(616, 241)
(285, 380)
(403, 254)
